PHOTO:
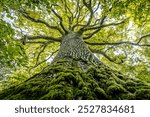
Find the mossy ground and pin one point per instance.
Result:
(61, 82)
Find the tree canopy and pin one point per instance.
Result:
(116, 31)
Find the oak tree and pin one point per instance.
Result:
(76, 49)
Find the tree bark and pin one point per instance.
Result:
(75, 52)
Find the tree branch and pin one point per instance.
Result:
(61, 20)
(68, 12)
(37, 64)
(98, 28)
(117, 43)
(42, 37)
(41, 51)
(71, 17)
(67, 8)
(144, 36)
(102, 26)
(97, 7)
(35, 42)
(78, 9)
(25, 14)
(106, 56)
(89, 7)
(77, 16)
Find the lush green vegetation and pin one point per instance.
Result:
(116, 31)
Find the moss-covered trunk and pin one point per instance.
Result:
(76, 73)
(59, 82)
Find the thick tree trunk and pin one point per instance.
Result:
(74, 52)
(76, 73)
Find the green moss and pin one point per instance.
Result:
(59, 82)
(100, 93)
(130, 83)
(115, 90)
(127, 96)
(143, 94)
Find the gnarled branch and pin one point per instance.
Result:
(77, 16)
(61, 20)
(89, 7)
(98, 28)
(41, 37)
(26, 15)
(105, 25)
(70, 18)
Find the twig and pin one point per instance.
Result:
(36, 65)
(144, 36)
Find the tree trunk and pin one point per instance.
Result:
(74, 52)
(76, 73)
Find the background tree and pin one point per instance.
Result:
(116, 31)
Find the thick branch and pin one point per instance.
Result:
(98, 6)
(35, 42)
(117, 43)
(43, 37)
(102, 26)
(98, 28)
(67, 8)
(40, 21)
(77, 16)
(78, 9)
(70, 18)
(68, 12)
(61, 20)
(89, 7)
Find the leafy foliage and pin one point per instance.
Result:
(12, 53)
